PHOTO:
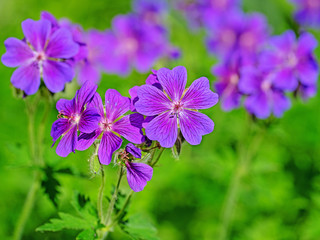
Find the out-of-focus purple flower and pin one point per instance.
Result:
(133, 43)
(199, 12)
(237, 33)
(307, 91)
(151, 11)
(228, 76)
(263, 98)
(92, 49)
(112, 125)
(41, 54)
(76, 115)
(307, 12)
(293, 61)
(175, 104)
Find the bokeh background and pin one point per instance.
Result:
(280, 192)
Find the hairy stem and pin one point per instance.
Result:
(158, 158)
(100, 194)
(245, 157)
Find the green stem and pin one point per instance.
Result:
(246, 156)
(113, 198)
(100, 194)
(37, 159)
(158, 157)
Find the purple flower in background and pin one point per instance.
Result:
(228, 76)
(151, 11)
(263, 98)
(307, 12)
(134, 43)
(137, 173)
(40, 55)
(176, 104)
(76, 115)
(237, 33)
(293, 61)
(112, 125)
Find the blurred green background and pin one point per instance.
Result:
(280, 193)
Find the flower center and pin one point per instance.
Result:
(292, 60)
(313, 4)
(177, 107)
(228, 37)
(234, 79)
(247, 39)
(75, 118)
(40, 56)
(266, 85)
(106, 126)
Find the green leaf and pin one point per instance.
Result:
(87, 234)
(84, 208)
(66, 221)
(50, 184)
(139, 228)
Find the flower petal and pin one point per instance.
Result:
(87, 72)
(85, 140)
(281, 103)
(194, 125)
(109, 144)
(285, 79)
(68, 143)
(151, 101)
(27, 78)
(61, 45)
(199, 95)
(59, 127)
(89, 120)
(308, 72)
(133, 150)
(116, 105)
(56, 75)
(125, 128)
(306, 44)
(18, 53)
(36, 32)
(258, 104)
(85, 95)
(164, 129)
(66, 107)
(137, 175)
(173, 81)
(96, 103)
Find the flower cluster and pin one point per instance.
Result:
(307, 12)
(254, 67)
(56, 51)
(161, 109)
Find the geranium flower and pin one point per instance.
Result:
(76, 115)
(175, 104)
(307, 12)
(112, 125)
(41, 54)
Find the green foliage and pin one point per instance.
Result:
(50, 184)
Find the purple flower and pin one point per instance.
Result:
(137, 173)
(293, 61)
(112, 125)
(40, 55)
(228, 76)
(151, 11)
(263, 98)
(237, 33)
(176, 104)
(308, 12)
(76, 115)
(133, 43)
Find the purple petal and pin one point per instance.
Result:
(59, 127)
(18, 53)
(284, 42)
(85, 140)
(68, 143)
(56, 75)
(199, 95)
(88, 72)
(306, 44)
(153, 80)
(135, 151)
(124, 128)
(285, 79)
(173, 81)
(151, 101)
(248, 82)
(66, 107)
(258, 105)
(116, 105)
(36, 32)
(109, 144)
(27, 78)
(308, 72)
(89, 120)
(137, 175)
(136, 120)
(96, 103)
(50, 18)
(61, 45)
(133, 92)
(164, 129)
(194, 125)
(280, 103)
(85, 95)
